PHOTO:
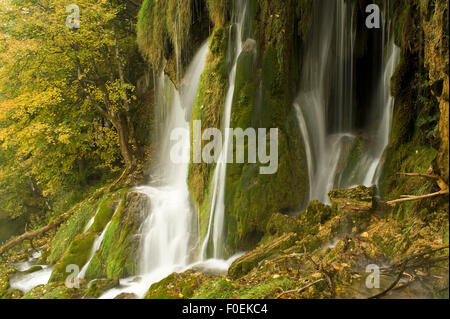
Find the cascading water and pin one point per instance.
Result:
(217, 211)
(325, 104)
(98, 241)
(166, 233)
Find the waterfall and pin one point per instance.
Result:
(217, 210)
(325, 104)
(167, 230)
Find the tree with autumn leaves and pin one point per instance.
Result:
(67, 99)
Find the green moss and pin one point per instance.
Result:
(251, 198)
(171, 31)
(33, 269)
(226, 289)
(281, 224)
(177, 286)
(54, 290)
(77, 254)
(314, 215)
(105, 211)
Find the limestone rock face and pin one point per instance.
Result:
(435, 26)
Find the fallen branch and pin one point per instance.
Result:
(408, 198)
(30, 235)
(444, 190)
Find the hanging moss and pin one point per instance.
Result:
(171, 31)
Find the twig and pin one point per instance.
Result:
(420, 175)
(323, 271)
(300, 289)
(400, 274)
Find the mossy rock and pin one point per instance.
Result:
(13, 294)
(246, 263)
(117, 255)
(282, 224)
(54, 290)
(77, 254)
(177, 286)
(5, 273)
(315, 214)
(358, 199)
(33, 269)
(98, 286)
(252, 197)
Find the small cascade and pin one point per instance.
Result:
(325, 105)
(214, 235)
(26, 281)
(97, 243)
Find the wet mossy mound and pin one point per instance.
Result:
(177, 286)
(98, 286)
(117, 255)
(77, 254)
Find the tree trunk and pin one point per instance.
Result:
(124, 141)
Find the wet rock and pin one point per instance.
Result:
(246, 263)
(249, 46)
(13, 294)
(358, 199)
(99, 286)
(33, 269)
(126, 295)
(178, 286)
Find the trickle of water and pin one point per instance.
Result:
(97, 243)
(217, 211)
